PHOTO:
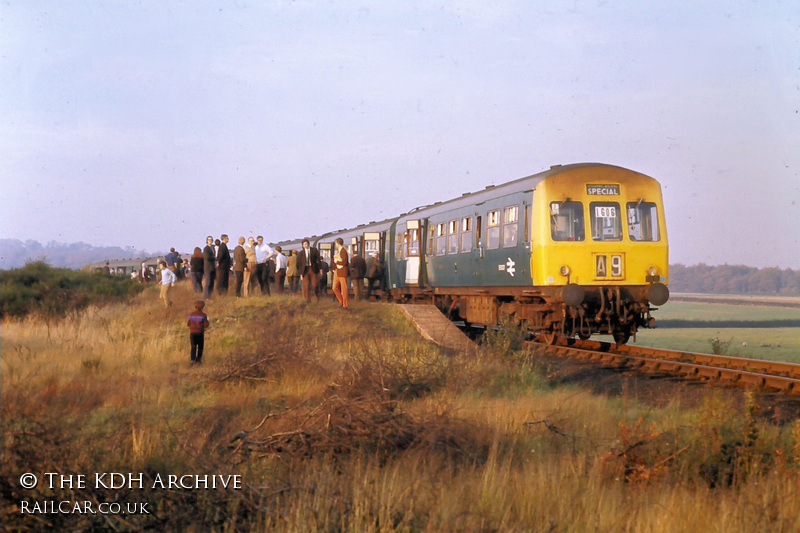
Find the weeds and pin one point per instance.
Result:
(349, 422)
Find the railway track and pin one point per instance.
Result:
(753, 373)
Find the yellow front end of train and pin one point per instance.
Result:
(600, 238)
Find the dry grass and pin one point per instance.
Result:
(349, 422)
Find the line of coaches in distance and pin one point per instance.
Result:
(255, 265)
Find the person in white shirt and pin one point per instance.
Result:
(281, 263)
(264, 253)
(167, 281)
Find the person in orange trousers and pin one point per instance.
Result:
(341, 269)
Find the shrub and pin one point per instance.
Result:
(55, 292)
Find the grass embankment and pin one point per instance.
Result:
(350, 422)
(770, 343)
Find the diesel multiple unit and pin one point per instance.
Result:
(576, 250)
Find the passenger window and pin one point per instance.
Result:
(431, 239)
(606, 223)
(510, 226)
(566, 221)
(643, 221)
(399, 245)
(466, 235)
(441, 239)
(452, 239)
(493, 230)
(412, 238)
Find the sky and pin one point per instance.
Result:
(151, 124)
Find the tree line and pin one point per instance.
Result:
(734, 279)
(15, 253)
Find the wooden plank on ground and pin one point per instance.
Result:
(436, 327)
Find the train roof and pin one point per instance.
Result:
(493, 191)
(470, 198)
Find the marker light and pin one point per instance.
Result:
(565, 270)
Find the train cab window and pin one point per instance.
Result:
(452, 237)
(566, 221)
(493, 230)
(606, 224)
(466, 235)
(441, 239)
(510, 226)
(643, 221)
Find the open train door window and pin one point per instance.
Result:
(412, 244)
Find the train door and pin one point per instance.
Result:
(412, 244)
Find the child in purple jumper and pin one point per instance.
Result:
(198, 322)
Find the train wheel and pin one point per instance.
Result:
(548, 337)
(621, 336)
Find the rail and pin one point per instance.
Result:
(770, 375)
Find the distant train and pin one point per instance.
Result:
(576, 250)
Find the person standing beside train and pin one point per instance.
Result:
(239, 266)
(341, 270)
(264, 253)
(308, 269)
(291, 271)
(223, 266)
(280, 269)
(209, 267)
(358, 270)
(250, 271)
(196, 267)
(374, 274)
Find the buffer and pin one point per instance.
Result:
(436, 327)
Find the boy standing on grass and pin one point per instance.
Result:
(198, 322)
(167, 281)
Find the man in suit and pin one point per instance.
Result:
(209, 267)
(239, 265)
(223, 266)
(341, 270)
(308, 268)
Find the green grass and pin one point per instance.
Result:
(774, 344)
(784, 343)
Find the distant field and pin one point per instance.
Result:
(738, 299)
(784, 343)
(769, 343)
(723, 311)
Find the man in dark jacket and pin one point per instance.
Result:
(209, 267)
(223, 265)
(374, 274)
(358, 270)
(308, 269)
